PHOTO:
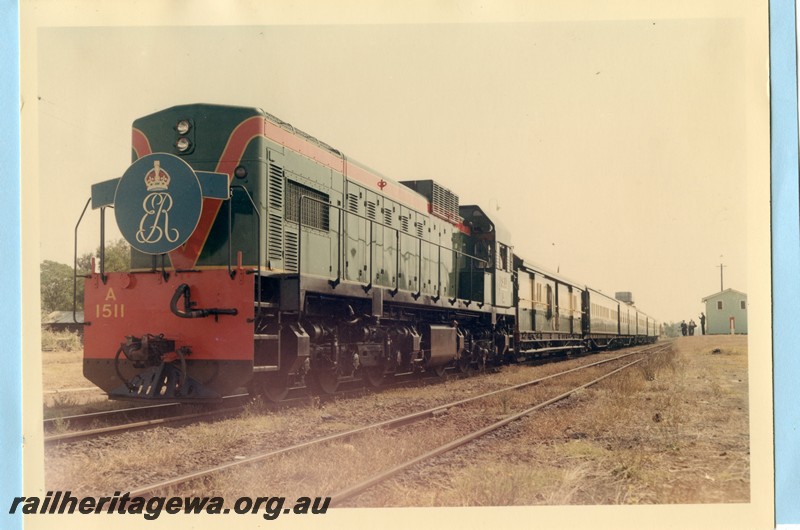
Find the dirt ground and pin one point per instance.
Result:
(672, 431)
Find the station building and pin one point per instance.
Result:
(726, 313)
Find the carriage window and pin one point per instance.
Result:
(315, 213)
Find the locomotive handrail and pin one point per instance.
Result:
(258, 241)
(421, 240)
(75, 270)
(102, 246)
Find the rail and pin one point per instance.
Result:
(395, 422)
(338, 498)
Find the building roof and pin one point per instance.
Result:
(717, 295)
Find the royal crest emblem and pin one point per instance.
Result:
(154, 224)
(158, 203)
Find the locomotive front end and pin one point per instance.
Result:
(179, 325)
(183, 337)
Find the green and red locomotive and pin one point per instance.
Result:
(263, 257)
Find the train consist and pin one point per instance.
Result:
(264, 257)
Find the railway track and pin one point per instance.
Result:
(136, 418)
(138, 425)
(353, 491)
(75, 420)
(407, 420)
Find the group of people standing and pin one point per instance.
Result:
(688, 329)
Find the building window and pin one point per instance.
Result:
(719, 305)
(742, 304)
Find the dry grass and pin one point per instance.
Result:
(62, 374)
(671, 430)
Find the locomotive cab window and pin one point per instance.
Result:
(314, 210)
(502, 252)
(483, 251)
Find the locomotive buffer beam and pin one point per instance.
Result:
(165, 382)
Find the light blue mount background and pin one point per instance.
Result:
(786, 260)
(10, 323)
(785, 239)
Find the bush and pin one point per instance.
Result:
(61, 341)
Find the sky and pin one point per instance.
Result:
(615, 150)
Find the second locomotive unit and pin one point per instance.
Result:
(264, 257)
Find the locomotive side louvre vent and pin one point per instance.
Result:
(404, 223)
(274, 239)
(275, 218)
(290, 261)
(275, 187)
(370, 210)
(352, 202)
(387, 217)
(419, 229)
(314, 214)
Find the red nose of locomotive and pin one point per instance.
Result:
(166, 333)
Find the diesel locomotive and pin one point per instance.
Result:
(263, 257)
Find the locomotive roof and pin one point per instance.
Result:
(328, 155)
(502, 234)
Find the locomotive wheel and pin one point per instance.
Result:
(374, 376)
(465, 365)
(273, 386)
(322, 381)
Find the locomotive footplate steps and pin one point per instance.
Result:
(165, 382)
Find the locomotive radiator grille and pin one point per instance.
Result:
(444, 203)
(314, 213)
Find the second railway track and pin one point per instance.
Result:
(455, 411)
(78, 427)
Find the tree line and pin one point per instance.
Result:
(56, 279)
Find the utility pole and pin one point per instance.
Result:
(721, 266)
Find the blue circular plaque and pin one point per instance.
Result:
(158, 203)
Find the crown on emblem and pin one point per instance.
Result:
(156, 178)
